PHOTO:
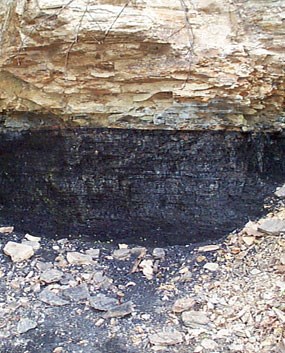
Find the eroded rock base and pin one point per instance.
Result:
(133, 186)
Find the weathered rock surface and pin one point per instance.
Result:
(272, 226)
(18, 252)
(166, 338)
(144, 64)
(76, 258)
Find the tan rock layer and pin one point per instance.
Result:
(200, 64)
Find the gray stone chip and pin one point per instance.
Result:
(25, 325)
(120, 310)
(273, 226)
(77, 293)
(102, 302)
(51, 298)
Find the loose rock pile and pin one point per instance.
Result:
(66, 296)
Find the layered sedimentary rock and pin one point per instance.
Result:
(129, 185)
(153, 64)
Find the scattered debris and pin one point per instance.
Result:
(239, 309)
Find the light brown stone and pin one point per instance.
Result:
(18, 252)
(152, 64)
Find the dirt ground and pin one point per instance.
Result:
(71, 296)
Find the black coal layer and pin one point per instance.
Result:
(162, 187)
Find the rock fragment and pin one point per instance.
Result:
(99, 280)
(195, 319)
(51, 276)
(280, 192)
(147, 268)
(34, 244)
(51, 298)
(77, 293)
(272, 226)
(158, 253)
(183, 304)
(6, 230)
(25, 325)
(32, 238)
(94, 253)
(122, 254)
(120, 311)
(208, 248)
(211, 266)
(18, 252)
(77, 258)
(102, 303)
(208, 344)
(166, 338)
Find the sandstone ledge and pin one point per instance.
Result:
(142, 64)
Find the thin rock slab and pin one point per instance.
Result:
(121, 254)
(208, 248)
(51, 276)
(77, 293)
(94, 253)
(49, 297)
(166, 338)
(6, 230)
(18, 252)
(183, 304)
(32, 238)
(195, 319)
(280, 192)
(102, 303)
(159, 253)
(211, 266)
(120, 311)
(272, 226)
(25, 325)
(100, 281)
(77, 258)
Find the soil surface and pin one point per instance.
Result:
(69, 296)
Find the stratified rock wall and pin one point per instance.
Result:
(167, 64)
(169, 187)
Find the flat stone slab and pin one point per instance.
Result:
(280, 192)
(273, 226)
(18, 252)
(166, 338)
(102, 303)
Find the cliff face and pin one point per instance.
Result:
(200, 64)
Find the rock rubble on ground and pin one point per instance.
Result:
(225, 297)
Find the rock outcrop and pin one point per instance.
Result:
(171, 64)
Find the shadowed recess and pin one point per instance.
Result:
(136, 186)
